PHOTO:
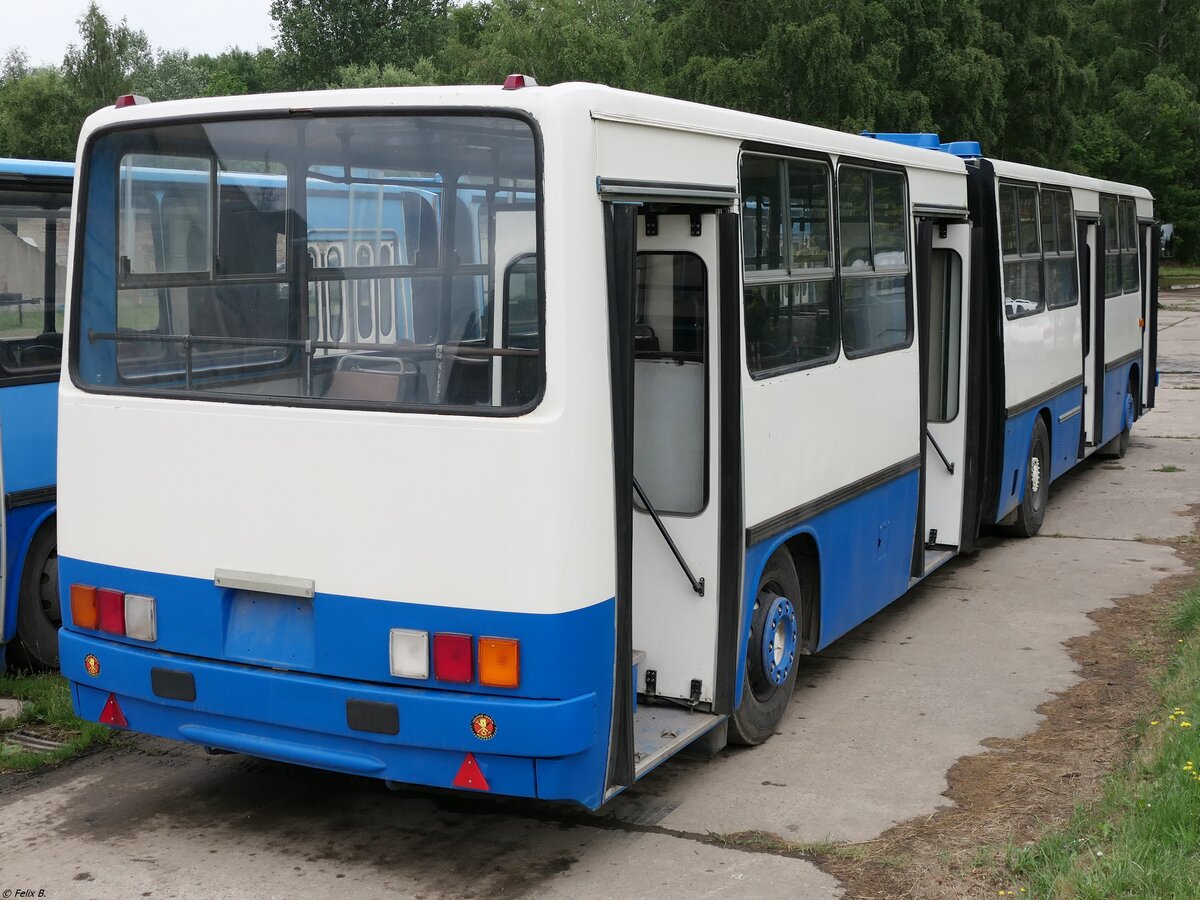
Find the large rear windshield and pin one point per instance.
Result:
(334, 261)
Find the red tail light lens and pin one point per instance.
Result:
(452, 658)
(112, 610)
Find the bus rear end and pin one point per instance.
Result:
(315, 496)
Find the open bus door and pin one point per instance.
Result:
(677, 476)
(943, 274)
(1151, 248)
(1092, 235)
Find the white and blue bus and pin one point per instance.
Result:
(513, 440)
(35, 208)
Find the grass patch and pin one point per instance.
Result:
(1140, 838)
(1167, 468)
(1171, 274)
(48, 714)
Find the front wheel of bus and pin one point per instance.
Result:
(38, 613)
(775, 634)
(1032, 510)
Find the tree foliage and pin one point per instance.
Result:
(1105, 87)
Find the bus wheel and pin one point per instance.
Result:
(1120, 444)
(771, 653)
(1032, 510)
(38, 612)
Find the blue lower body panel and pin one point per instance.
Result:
(1116, 386)
(277, 676)
(1064, 414)
(865, 546)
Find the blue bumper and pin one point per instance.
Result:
(548, 749)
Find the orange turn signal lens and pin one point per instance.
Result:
(499, 662)
(85, 612)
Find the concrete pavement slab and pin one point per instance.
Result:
(172, 822)
(881, 715)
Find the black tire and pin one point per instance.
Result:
(1119, 446)
(39, 614)
(763, 698)
(1032, 510)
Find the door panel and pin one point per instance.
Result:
(947, 330)
(676, 433)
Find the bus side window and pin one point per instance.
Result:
(32, 277)
(876, 303)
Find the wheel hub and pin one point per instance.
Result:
(1035, 473)
(780, 632)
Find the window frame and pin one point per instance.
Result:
(51, 186)
(784, 276)
(906, 270)
(706, 361)
(74, 325)
(1020, 256)
(1073, 256)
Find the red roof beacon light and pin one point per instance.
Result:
(130, 100)
(515, 82)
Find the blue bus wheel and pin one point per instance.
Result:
(771, 652)
(38, 611)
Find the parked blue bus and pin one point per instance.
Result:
(515, 439)
(35, 208)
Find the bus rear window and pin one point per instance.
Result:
(333, 261)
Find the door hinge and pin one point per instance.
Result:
(651, 224)
(694, 696)
(651, 682)
(696, 229)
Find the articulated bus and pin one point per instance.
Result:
(515, 439)
(35, 208)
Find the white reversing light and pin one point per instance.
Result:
(410, 653)
(140, 620)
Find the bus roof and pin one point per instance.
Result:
(599, 102)
(1017, 171)
(39, 168)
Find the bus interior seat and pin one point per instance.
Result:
(644, 339)
(381, 379)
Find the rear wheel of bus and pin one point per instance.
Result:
(39, 614)
(775, 636)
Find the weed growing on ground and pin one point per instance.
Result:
(1140, 838)
(47, 714)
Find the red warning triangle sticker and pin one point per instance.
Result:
(112, 715)
(471, 776)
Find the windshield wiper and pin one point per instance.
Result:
(697, 585)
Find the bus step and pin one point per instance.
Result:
(660, 731)
(935, 558)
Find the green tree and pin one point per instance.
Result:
(102, 66)
(611, 42)
(318, 38)
(40, 116)
(1046, 88)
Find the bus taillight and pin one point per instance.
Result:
(112, 611)
(105, 609)
(140, 619)
(84, 611)
(409, 653)
(499, 662)
(452, 657)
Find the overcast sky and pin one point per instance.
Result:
(45, 27)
